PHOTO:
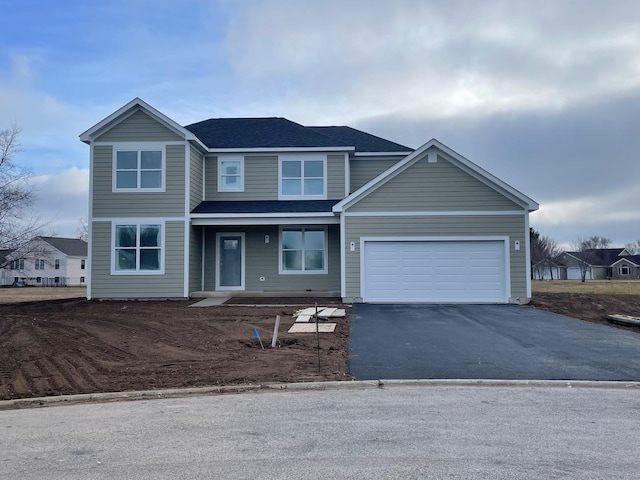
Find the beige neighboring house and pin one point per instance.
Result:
(46, 262)
(231, 206)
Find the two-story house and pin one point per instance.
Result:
(268, 205)
(46, 262)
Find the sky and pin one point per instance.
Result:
(543, 94)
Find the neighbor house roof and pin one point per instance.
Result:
(266, 206)
(72, 247)
(599, 256)
(275, 132)
(634, 259)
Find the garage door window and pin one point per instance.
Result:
(303, 250)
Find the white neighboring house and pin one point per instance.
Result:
(46, 262)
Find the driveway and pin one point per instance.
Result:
(486, 342)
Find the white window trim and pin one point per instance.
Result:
(230, 158)
(324, 271)
(139, 146)
(138, 222)
(624, 266)
(241, 287)
(302, 158)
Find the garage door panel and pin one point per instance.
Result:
(434, 271)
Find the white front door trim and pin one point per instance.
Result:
(219, 235)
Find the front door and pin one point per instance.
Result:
(230, 261)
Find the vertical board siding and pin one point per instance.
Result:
(363, 170)
(512, 226)
(138, 127)
(434, 186)
(107, 203)
(262, 260)
(169, 285)
(196, 194)
(335, 177)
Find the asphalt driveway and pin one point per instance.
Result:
(486, 342)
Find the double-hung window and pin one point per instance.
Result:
(137, 248)
(230, 174)
(139, 169)
(39, 264)
(302, 178)
(303, 250)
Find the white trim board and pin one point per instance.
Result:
(438, 213)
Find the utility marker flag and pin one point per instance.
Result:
(257, 335)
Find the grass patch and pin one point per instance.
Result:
(36, 294)
(603, 287)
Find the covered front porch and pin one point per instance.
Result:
(253, 254)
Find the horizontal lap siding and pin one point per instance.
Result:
(363, 170)
(512, 226)
(260, 179)
(139, 204)
(169, 285)
(196, 196)
(262, 260)
(335, 177)
(139, 127)
(434, 186)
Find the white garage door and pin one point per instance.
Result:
(434, 271)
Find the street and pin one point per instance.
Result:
(390, 432)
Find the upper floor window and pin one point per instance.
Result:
(303, 178)
(137, 248)
(139, 169)
(39, 264)
(57, 264)
(17, 264)
(230, 175)
(82, 264)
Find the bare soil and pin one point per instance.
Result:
(592, 307)
(77, 346)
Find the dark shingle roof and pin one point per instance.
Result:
(364, 142)
(635, 259)
(599, 256)
(73, 247)
(266, 206)
(275, 132)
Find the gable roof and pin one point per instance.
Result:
(633, 259)
(599, 256)
(130, 108)
(72, 247)
(462, 162)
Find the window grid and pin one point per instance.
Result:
(303, 255)
(134, 250)
(139, 170)
(302, 178)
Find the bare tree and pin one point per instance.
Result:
(83, 229)
(633, 247)
(584, 249)
(544, 252)
(18, 224)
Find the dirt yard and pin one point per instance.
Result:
(77, 346)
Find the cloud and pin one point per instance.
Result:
(62, 199)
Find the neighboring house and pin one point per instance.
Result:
(627, 267)
(268, 205)
(598, 264)
(5, 279)
(47, 262)
(554, 270)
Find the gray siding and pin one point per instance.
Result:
(434, 186)
(365, 169)
(262, 260)
(260, 179)
(512, 226)
(196, 194)
(169, 285)
(138, 204)
(139, 127)
(335, 177)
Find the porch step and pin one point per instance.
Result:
(272, 294)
